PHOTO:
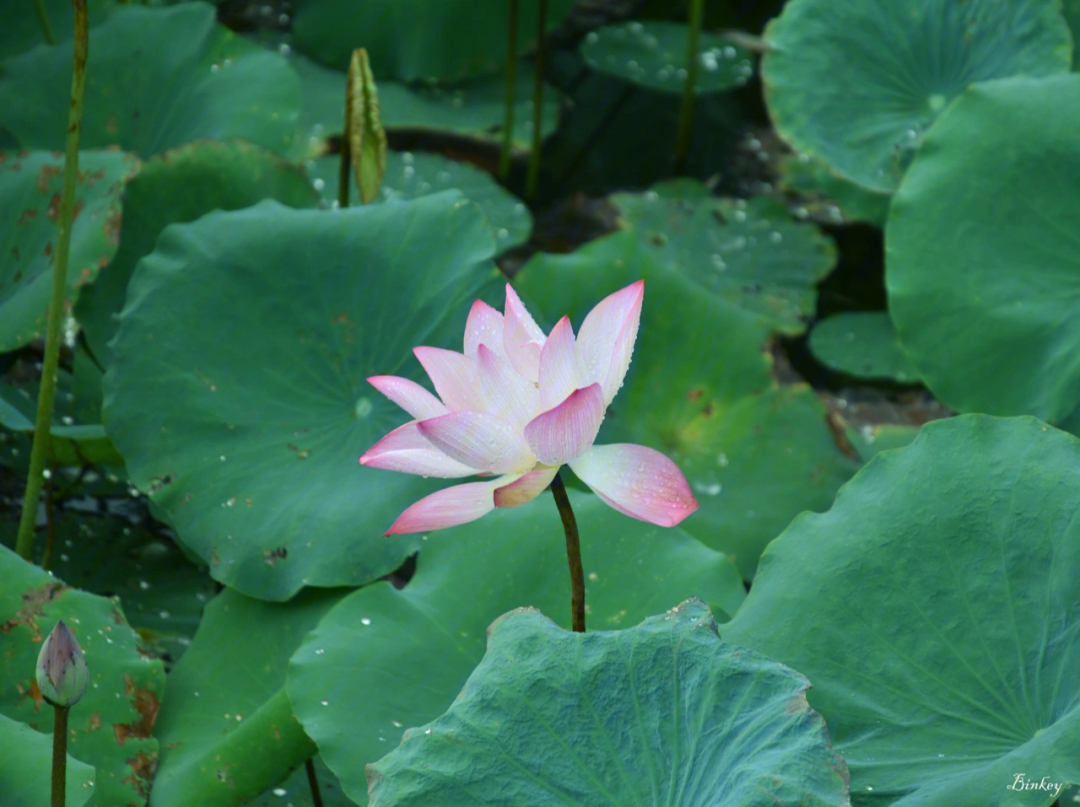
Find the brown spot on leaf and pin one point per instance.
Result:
(46, 175)
(76, 209)
(143, 767)
(28, 215)
(708, 410)
(146, 704)
(33, 606)
(48, 249)
(94, 723)
(54, 208)
(272, 556)
(695, 394)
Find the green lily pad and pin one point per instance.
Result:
(413, 175)
(227, 729)
(163, 595)
(26, 769)
(750, 253)
(195, 79)
(653, 54)
(244, 422)
(700, 390)
(901, 63)
(982, 284)
(417, 646)
(864, 345)
(30, 188)
(22, 31)
(472, 109)
(110, 728)
(954, 670)
(180, 186)
(828, 197)
(428, 40)
(662, 713)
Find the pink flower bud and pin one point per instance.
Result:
(62, 674)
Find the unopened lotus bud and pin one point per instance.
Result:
(62, 674)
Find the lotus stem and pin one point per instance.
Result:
(686, 115)
(508, 112)
(533, 177)
(573, 554)
(313, 782)
(43, 21)
(24, 544)
(345, 170)
(59, 755)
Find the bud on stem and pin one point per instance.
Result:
(62, 674)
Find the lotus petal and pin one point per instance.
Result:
(406, 450)
(567, 431)
(480, 440)
(409, 395)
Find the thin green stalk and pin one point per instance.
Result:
(313, 782)
(345, 171)
(573, 554)
(43, 21)
(59, 752)
(533, 177)
(686, 115)
(508, 112)
(25, 542)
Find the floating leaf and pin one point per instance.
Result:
(195, 79)
(828, 197)
(30, 189)
(700, 390)
(752, 254)
(110, 728)
(653, 54)
(901, 63)
(180, 186)
(227, 728)
(935, 609)
(982, 266)
(429, 40)
(663, 713)
(367, 140)
(864, 345)
(417, 646)
(26, 769)
(413, 175)
(245, 422)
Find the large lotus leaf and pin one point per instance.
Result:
(472, 109)
(22, 31)
(31, 184)
(663, 713)
(110, 728)
(227, 730)
(162, 594)
(935, 608)
(901, 62)
(412, 175)
(982, 283)
(418, 646)
(26, 769)
(430, 40)
(157, 78)
(179, 186)
(862, 344)
(237, 393)
(700, 390)
(750, 253)
(653, 54)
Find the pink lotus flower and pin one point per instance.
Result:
(519, 405)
